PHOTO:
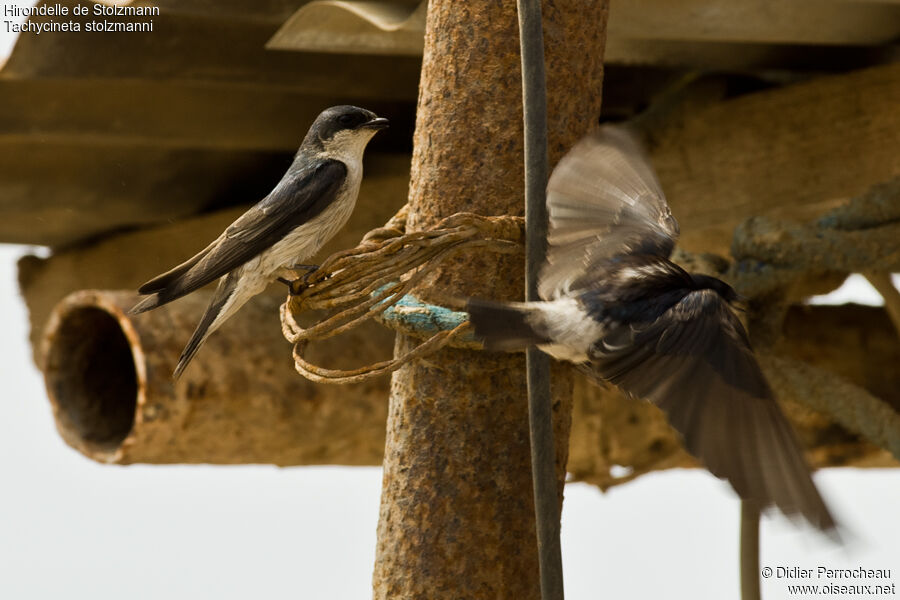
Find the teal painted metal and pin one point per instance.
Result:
(423, 318)
(420, 319)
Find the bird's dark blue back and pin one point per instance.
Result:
(640, 288)
(635, 288)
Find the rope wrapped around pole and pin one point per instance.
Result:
(369, 280)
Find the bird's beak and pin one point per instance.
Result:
(377, 124)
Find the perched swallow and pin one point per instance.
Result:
(308, 206)
(615, 305)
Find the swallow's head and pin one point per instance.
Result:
(344, 131)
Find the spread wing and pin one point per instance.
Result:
(603, 199)
(298, 198)
(696, 364)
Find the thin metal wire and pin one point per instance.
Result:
(540, 414)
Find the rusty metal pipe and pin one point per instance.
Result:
(109, 379)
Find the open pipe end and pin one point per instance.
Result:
(93, 372)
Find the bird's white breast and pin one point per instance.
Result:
(307, 239)
(571, 328)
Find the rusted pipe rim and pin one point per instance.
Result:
(95, 373)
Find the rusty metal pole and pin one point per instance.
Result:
(457, 515)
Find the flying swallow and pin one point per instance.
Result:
(616, 306)
(313, 200)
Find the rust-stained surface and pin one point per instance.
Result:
(857, 343)
(788, 152)
(457, 510)
(109, 378)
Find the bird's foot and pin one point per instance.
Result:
(295, 286)
(298, 284)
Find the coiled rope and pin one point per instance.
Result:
(374, 280)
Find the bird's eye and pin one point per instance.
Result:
(346, 120)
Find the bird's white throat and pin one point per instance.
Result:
(347, 145)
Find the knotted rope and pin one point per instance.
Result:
(374, 280)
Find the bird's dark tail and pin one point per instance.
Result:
(175, 283)
(197, 338)
(158, 298)
(212, 318)
(503, 326)
(148, 303)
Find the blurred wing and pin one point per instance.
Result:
(603, 199)
(696, 364)
(293, 202)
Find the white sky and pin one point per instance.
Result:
(74, 529)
